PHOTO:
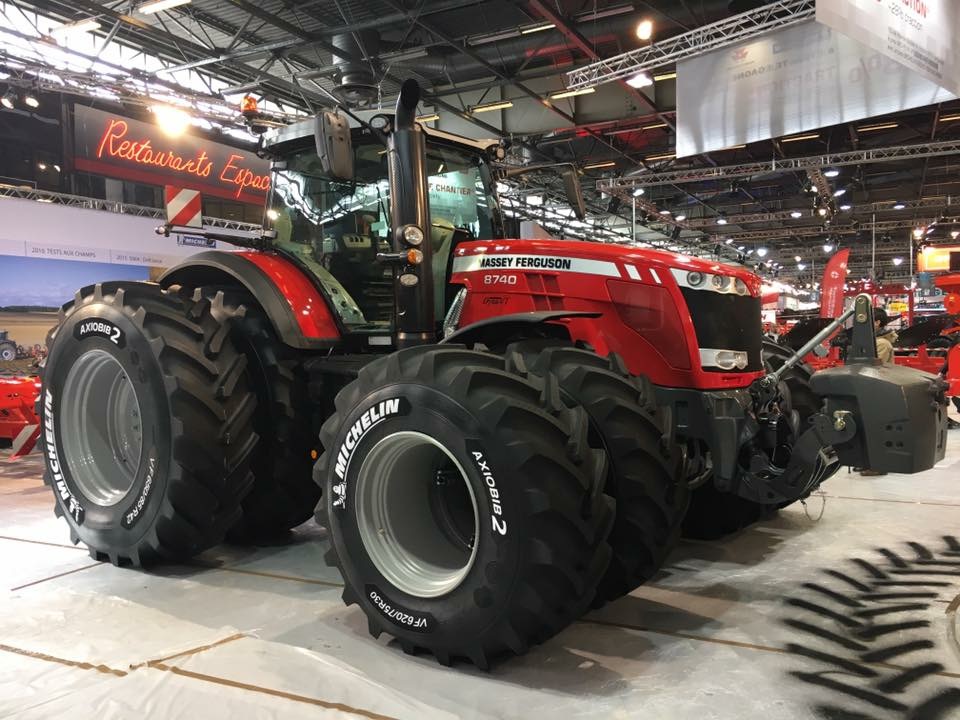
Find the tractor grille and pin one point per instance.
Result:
(730, 322)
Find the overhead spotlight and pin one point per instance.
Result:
(645, 29)
(8, 99)
(898, 261)
(640, 80)
(801, 267)
(681, 217)
(762, 252)
(831, 173)
(813, 188)
(822, 211)
(30, 100)
(722, 219)
(729, 241)
(664, 212)
(845, 207)
(172, 121)
(955, 234)
(899, 206)
(918, 233)
(741, 248)
(828, 247)
(797, 258)
(272, 214)
(839, 192)
(638, 192)
(796, 214)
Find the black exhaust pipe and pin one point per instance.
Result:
(409, 209)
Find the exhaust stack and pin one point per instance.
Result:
(409, 209)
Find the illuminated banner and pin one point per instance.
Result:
(120, 147)
(792, 81)
(919, 34)
(939, 258)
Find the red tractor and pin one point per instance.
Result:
(485, 479)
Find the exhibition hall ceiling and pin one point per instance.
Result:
(501, 69)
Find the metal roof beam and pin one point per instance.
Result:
(696, 42)
(781, 165)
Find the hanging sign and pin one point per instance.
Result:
(120, 147)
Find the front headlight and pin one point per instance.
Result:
(412, 235)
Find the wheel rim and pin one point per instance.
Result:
(101, 428)
(421, 540)
(7, 354)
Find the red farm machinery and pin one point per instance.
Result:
(507, 432)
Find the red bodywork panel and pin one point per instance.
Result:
(18, 419)
(629, 287)
(310, 309)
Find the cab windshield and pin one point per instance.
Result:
(338, 227)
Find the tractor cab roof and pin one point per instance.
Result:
(301, 132)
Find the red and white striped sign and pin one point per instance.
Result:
(183, 206)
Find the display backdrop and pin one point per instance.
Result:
(120, 147)
(795, 80)
(919, 34)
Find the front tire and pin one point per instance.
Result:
(147, 422)
(459, 510)
(644, 474)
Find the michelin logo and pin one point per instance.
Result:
(371, 417)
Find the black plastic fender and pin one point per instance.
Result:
(213, 268)
(501, 330)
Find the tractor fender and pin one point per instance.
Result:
(295, 305)
(495, 331)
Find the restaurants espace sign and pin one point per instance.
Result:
(120, 147)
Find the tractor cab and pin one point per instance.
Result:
(338, 227)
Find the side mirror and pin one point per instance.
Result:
(574, 192)
(334, 146)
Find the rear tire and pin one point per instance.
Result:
(147, 420)
(644, 473)
(8, 351)
(459, 510)
(283, 494)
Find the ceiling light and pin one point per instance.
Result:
(665, 76)
(645, 29)
(655, 126)
(955, 234)
(428, 118)
(828, 247)
(638, 192)
(839, 192)
(879, 126)
(722, 220)
(801, 266)
(796, 214)
(499, 105)
(172, 121)
(822, 211)
(537, 28)
(156, 6)
(572, 93)
(664, 212)
(31, 100)
(918, 233)
(734, 147)
(741, 248)
(950, 118)
(797, 258)
(664, 156)
(798, 138)
(681, 217)
(762, 252)
(813, 188)
(622, 131)
(845, 207)
(272, 214)
(57, 168)
(831, 173)
(534, 199)
(899, 206)
(898, 261)
(8, 99)
(80, 26)
(42, 165)
(599, 165)
(640, 80)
